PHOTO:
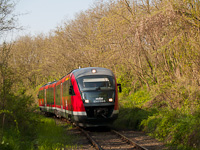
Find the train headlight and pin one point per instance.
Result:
(110, 100)
(94, 71)
(87, 101)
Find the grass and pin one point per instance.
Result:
(52, 136)
(48, 131)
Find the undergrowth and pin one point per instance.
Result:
(46, 135)
(51, 136)
(131, 111)
(178, 130)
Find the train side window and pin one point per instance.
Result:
(47, 95)
(58, 95)
(51, 96)
(41, 94)
(65, 89)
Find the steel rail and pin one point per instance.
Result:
(136, 145)
(94, 143)
(98, 147)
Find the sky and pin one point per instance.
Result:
(42, 16)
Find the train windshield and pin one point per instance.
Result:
(102, 82)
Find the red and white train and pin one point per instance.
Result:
(87, 96)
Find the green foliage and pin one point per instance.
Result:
(10, 140)
(45, 135)
(135, 98)
(131, 117)
(168, 112)
(20, 123)
(139, 97)
(10, 114)
(124, 79)
(131, 111)
(175, 128)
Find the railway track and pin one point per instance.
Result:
(110, 139)
(106, 138)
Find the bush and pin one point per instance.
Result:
(130, 118)
(174, 127)
(45, 135)
(131, 111)
(169, 112)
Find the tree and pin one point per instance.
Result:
(7, 23)
(8, 18)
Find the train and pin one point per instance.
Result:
(85, 96)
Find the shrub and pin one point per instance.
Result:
(131, 111)
(174, 127)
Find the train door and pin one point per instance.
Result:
(72, 100)
(69, 102)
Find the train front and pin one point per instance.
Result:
(98, 90)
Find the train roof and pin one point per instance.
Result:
(81, 72)
(49, 83)
(89, 71)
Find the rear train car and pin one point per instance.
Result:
(87, 96)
